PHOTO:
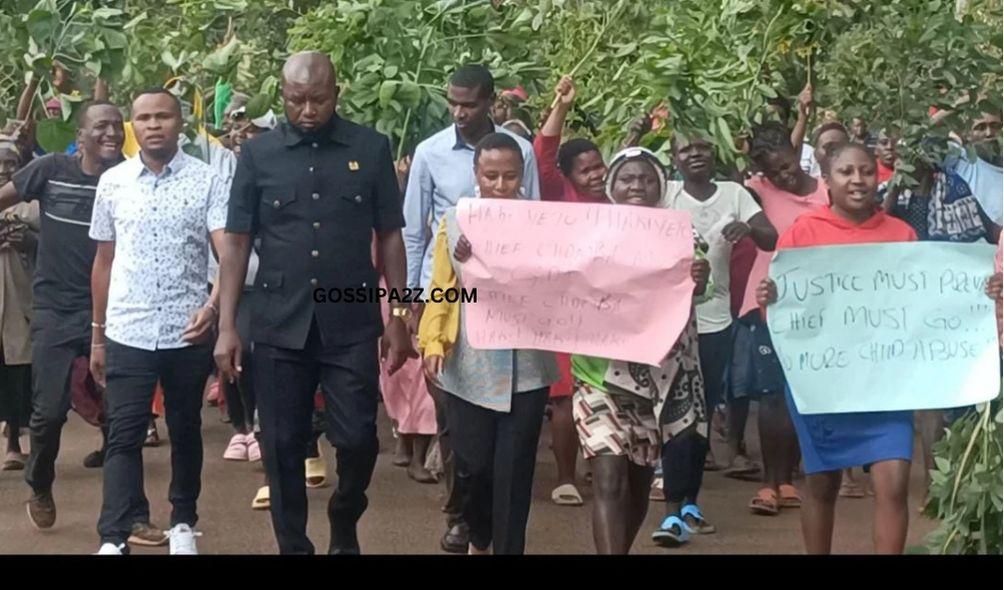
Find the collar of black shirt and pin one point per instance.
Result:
(334, 130)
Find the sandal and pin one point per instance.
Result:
(764, 503)
(261, 499)
(317, 472)
(566, 495)
(14, 461)
(656, 494)
(742, 467)
(790, 498)
(851, 489)
(673, 532)
(710, 464)
(701, 525)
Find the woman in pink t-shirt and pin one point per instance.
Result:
(785, 191)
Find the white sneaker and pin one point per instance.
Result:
(110, 549)
(183, 540)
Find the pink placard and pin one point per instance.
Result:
(604, 280)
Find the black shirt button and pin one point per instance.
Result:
(317, 225)
(359, 198)
(313, 282)
(313, 145)
(315, 196)
(315, 253)
(275, 203)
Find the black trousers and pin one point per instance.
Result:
(240, 396)
(455, 492)
(286, 381)
(132, 375)
(496, 453)
(57, 338)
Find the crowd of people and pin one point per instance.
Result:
(129, 266)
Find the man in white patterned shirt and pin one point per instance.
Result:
(153, 216)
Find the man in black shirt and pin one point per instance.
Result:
(314, 191)
(64, 186)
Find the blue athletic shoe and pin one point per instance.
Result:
(672, 532)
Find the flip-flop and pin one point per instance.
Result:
(764, 503)
(703, 526)
(673, 532)
(14, 461)
(261, 499)
(790, 497)
(566, 495)
(851, 490)
(317, 472)
(742, 467)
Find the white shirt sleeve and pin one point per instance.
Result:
(102, 217)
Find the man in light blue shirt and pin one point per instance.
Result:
(983, 174)
(442, 170)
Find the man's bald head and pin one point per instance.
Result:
(309, 92)
(308, 67)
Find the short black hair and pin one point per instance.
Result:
(829, 126)
(87, 106)
(497, 141)
(159, 90)
(824, 166)
(769, 138)
(572, 149)
(474, 76)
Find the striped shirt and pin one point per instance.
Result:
(65, 252)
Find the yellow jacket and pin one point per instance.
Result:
(440, 324)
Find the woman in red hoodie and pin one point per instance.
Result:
(573, 172)
(832, 442)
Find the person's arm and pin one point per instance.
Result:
(101, 275)
(9, 196)
(100, 89)
(756, 224)
(234, 248)
(545, 150)
(417, 208)
(638, 130)
(27, 97)
(440, 322)
(102, 230)
(395, 345)
(802, 123)
(763, 232)
(205, 318)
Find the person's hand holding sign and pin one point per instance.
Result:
(462, 253)
(700, 270)
(766, 293)
(995, 286)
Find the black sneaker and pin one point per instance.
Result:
(456, 539)
(95, 459)
(42, 510)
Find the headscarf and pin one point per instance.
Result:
(629, 155)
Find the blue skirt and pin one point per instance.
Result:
(831, 442)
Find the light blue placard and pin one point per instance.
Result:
(881, 327)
